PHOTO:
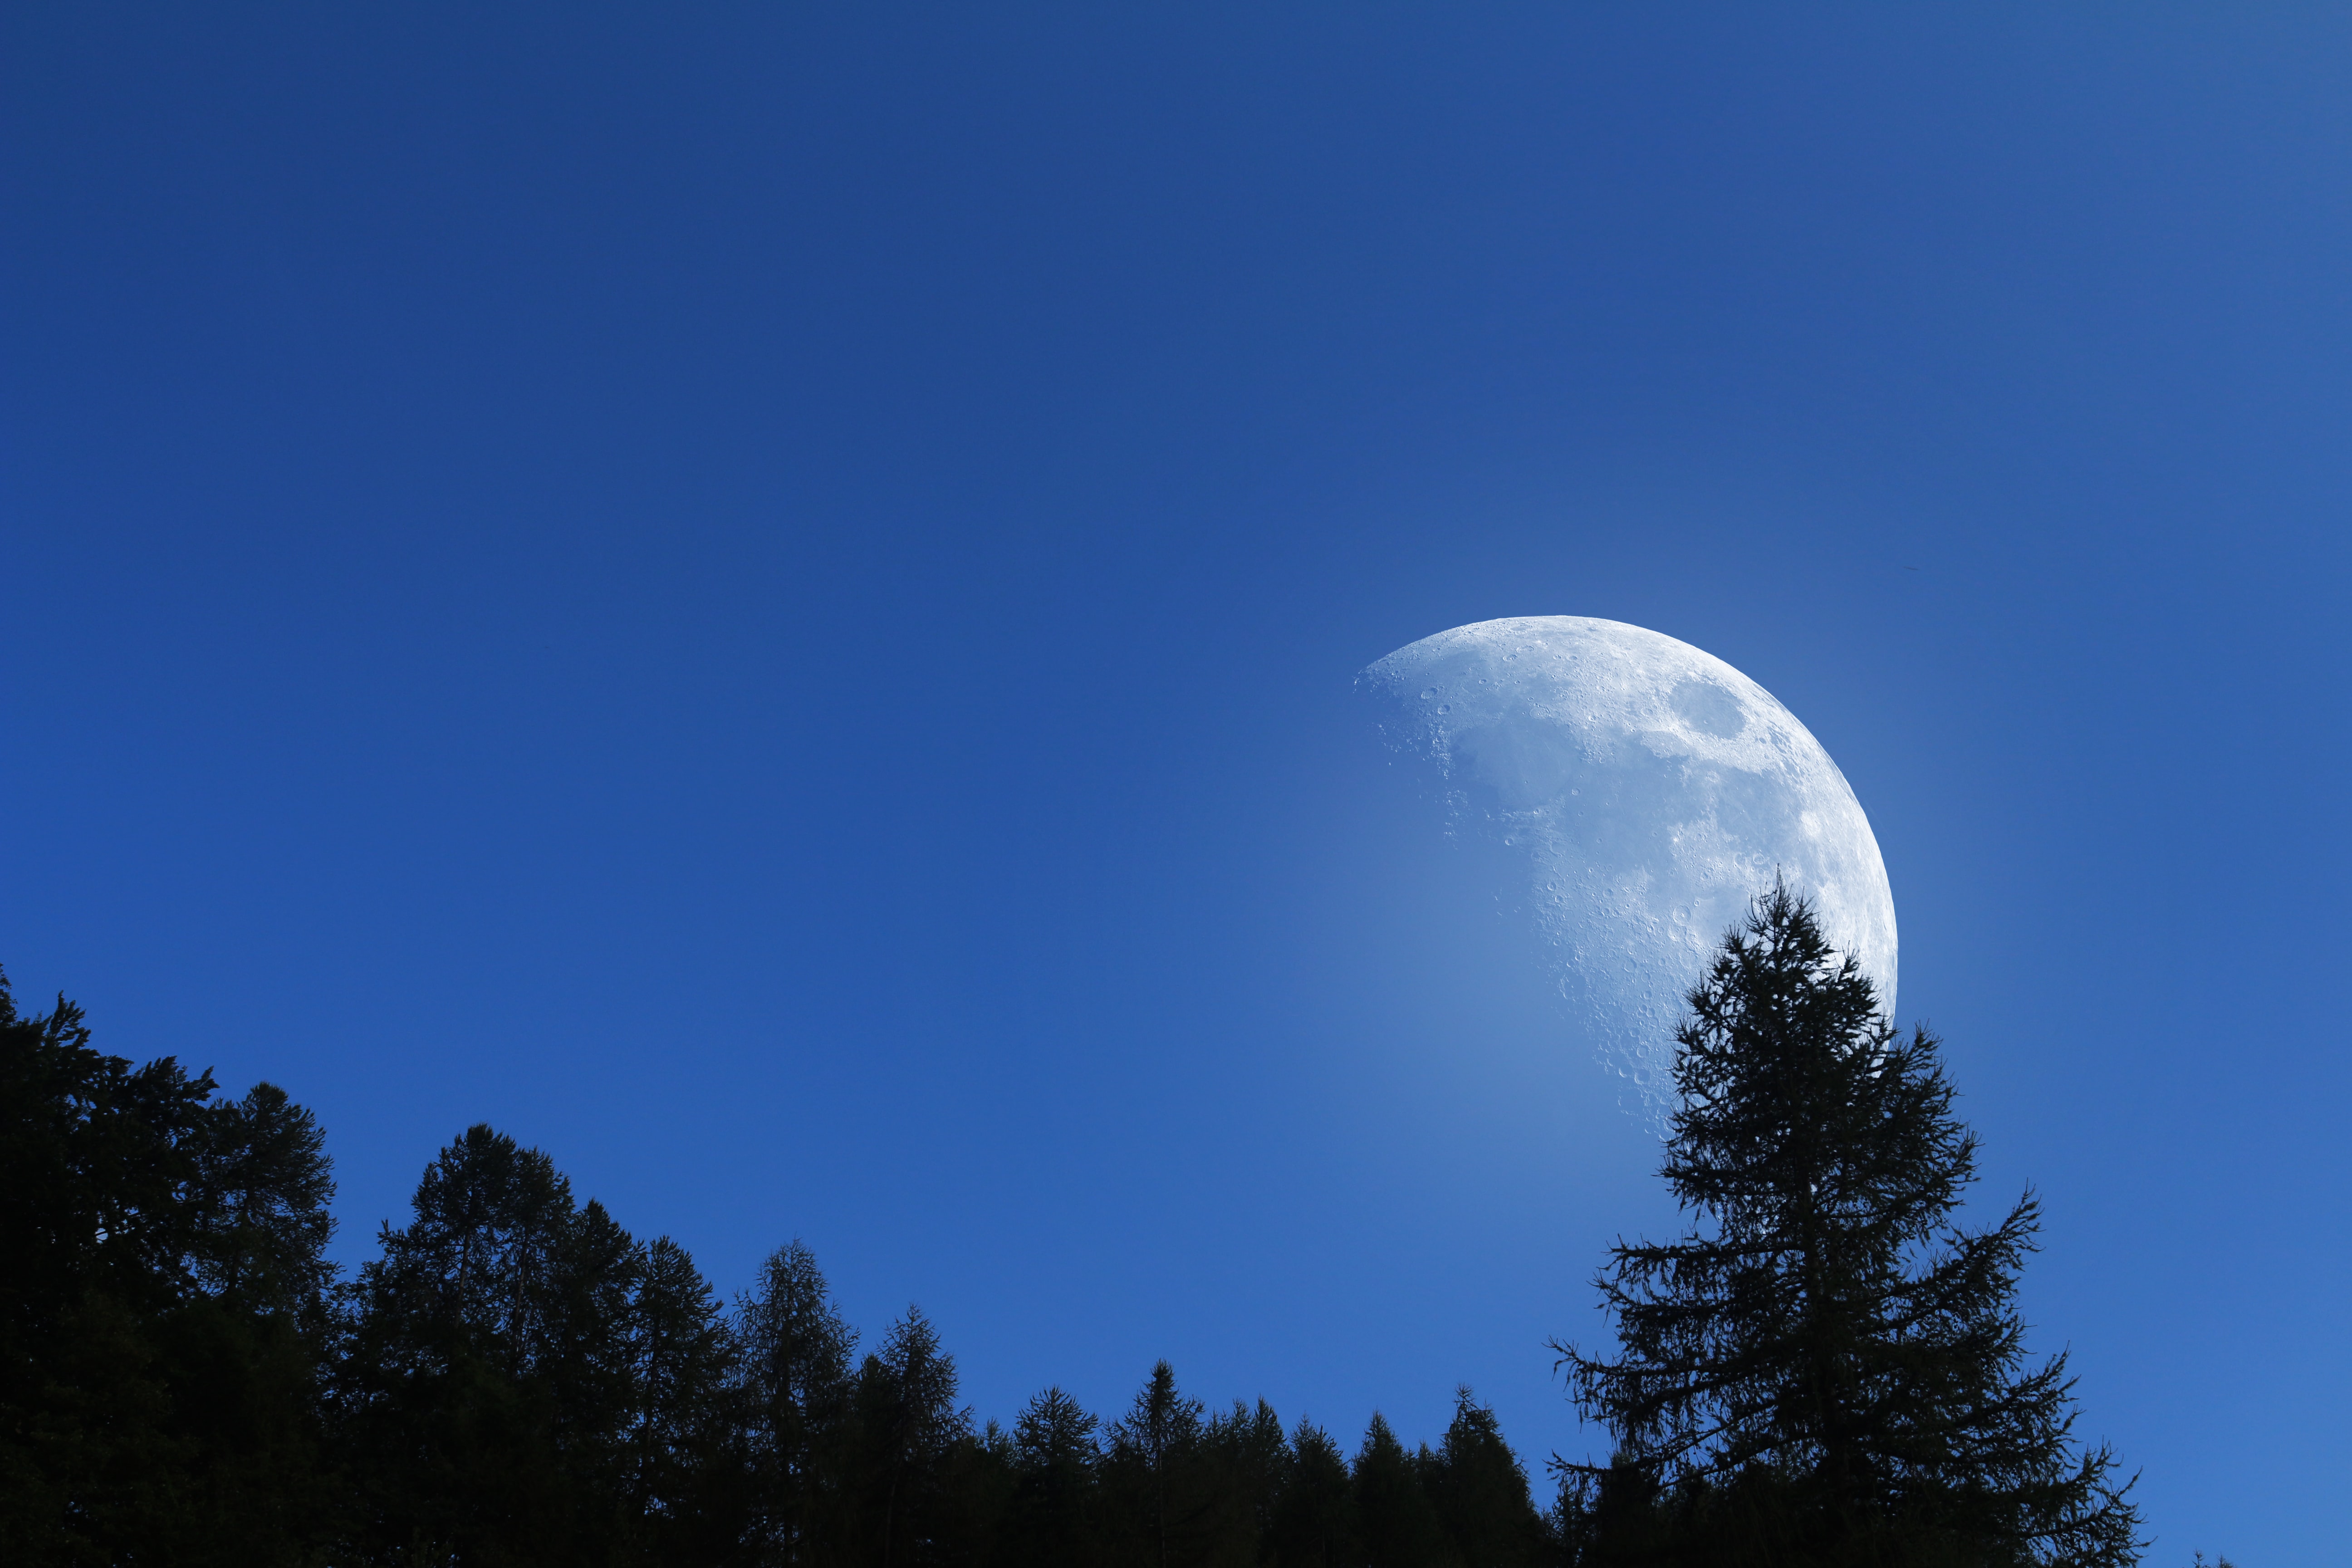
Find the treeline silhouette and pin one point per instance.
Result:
(515, 1379)
(1826, 1370)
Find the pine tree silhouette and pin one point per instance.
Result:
(1831, 1371)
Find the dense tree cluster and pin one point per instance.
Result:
(165, 1305)
(1826, 1370)
(515, 1379)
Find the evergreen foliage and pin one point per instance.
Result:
(1395, 1519)
(1155, 1470)
(1314, 1518)
(793, 1376)
(161, 1309)
(1832, 1373)
(1830, 1370)
(906, 1431)
(1480, 1492)
(1055, 1519)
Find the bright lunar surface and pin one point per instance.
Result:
(1649, 790)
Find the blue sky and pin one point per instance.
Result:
(765, 598)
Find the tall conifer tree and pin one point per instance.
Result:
(1054, 1459)
(794, 1368)
(684, 1464)
(907, 1428)
(1251, 1458)
(1315, 1517)
(1481, 1491)
(1399, 1527)
(520, 1371)
(1155, 1474)
(1830, 1370)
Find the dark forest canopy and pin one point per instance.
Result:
(1828, 1373)
(516, 1379)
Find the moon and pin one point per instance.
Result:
(1648, 790)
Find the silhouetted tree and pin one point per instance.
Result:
(1831, 1371)
(160, 1315)
(1054, 1457)
(1151, 1473)
(524, 1382)
(1315, 1517)
(262, 1187)
(245, 1352)
(685, 1459)
(448, 1408)
(906, 1430)
(1480, 1491)
(589, 1371)
(1249, 1460)
(795, 1367)
(1399, 1527)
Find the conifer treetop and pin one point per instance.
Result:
(1826, 1345)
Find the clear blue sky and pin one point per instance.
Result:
(764, 597)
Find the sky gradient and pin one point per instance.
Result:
(765, 598)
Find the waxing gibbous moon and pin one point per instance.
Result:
(1648, 791)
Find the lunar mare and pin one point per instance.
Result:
(1648, 790)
